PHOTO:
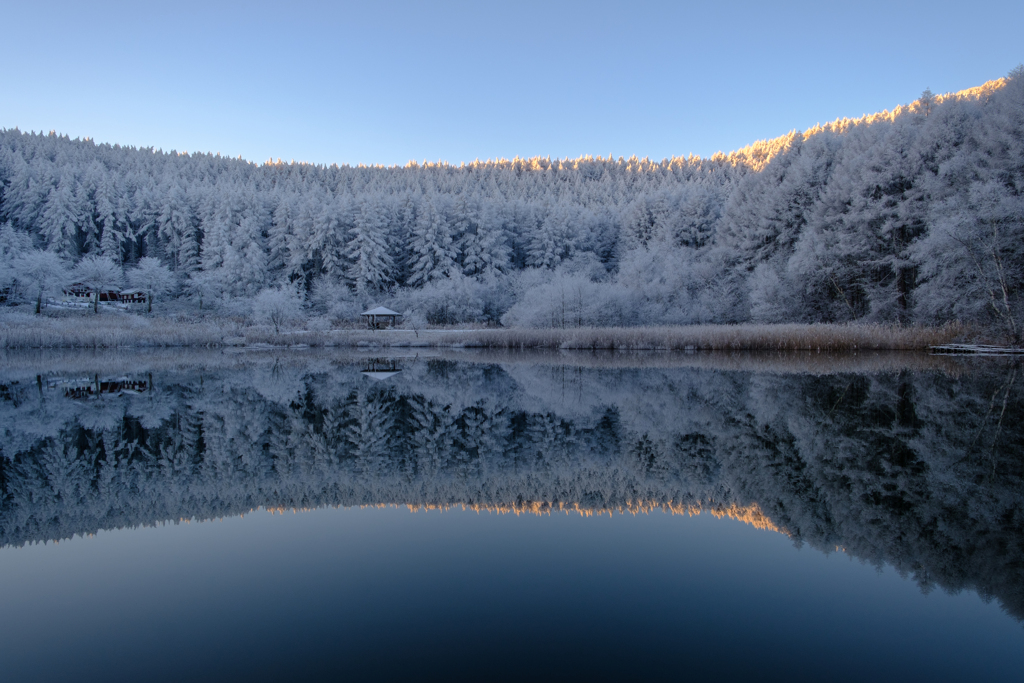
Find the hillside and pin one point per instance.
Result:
(914, 215)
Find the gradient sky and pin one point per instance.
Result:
(386, 82)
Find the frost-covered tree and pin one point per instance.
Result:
(279, 236)
(370, 267)
(111, 230)
(13, 242)
(768, 295)
(205, 286)
(41, 273)
(153, 277)
(178, 229)
(432, 249)
(972, 261)
(484, 246)
(278, 306)
(97, 273)
(62, 215)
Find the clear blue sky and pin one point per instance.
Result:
(386, 82)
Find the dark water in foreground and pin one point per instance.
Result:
(509, 517)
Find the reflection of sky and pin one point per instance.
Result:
(387, 593)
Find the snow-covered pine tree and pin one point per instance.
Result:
(278, 254)
(330, 227)
(61, 217)
(370, 267)
(176, 228)
(485, 249)
(431, 246)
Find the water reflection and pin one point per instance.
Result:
(892, 460)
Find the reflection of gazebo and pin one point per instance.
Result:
(379, 369)
(380, 317)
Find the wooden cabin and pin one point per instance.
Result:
(380, 318)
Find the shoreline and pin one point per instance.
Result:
(25, 364)
(111, 332)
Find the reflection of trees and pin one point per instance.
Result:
(918, 470)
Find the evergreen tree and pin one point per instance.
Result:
(153, 277)
(369, 264)
(61, 217)
(431, 246)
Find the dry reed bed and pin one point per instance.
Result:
(108, 331)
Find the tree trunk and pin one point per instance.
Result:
(39, 303)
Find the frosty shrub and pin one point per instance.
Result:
(345, 310)
(337, 301)
(767, 295)
(570, 300)
(413, 320)
(152, 277)
(318, 324)
(278, 306)
(681, 286)
(459, 299)
(13, 245)
(204, 287)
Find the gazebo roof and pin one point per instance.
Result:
(380, 310)
(378, 375)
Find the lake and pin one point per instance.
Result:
(299, 515)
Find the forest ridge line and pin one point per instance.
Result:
(755, 155)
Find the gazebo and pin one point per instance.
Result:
(132, 296)
(380, 317)
(380, 369)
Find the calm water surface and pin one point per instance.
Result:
(505, 517)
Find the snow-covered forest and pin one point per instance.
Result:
(919, 469)
(911, 215)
